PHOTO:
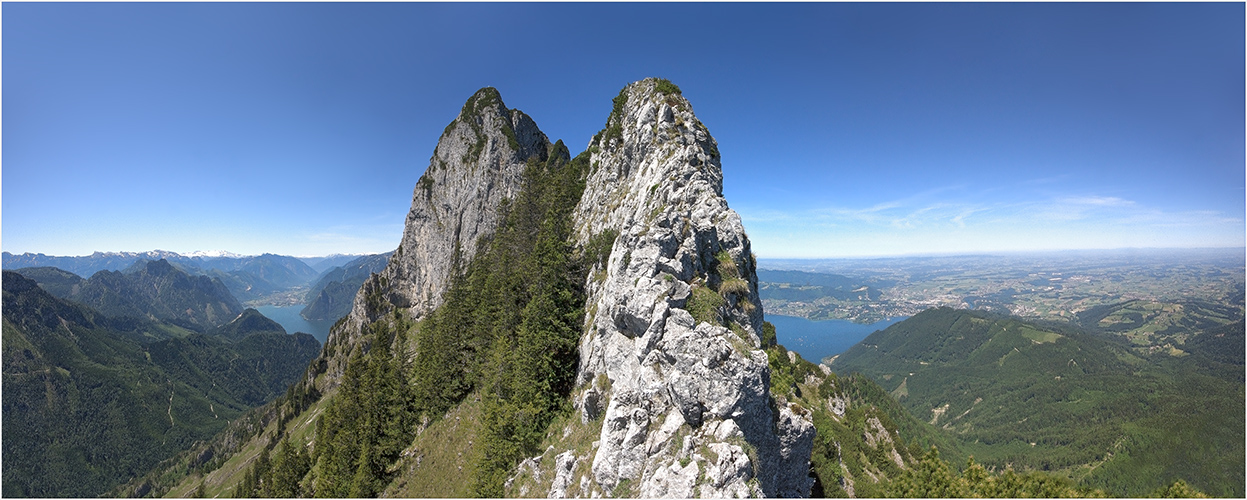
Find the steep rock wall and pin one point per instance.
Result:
(479, 161)
(673, 348)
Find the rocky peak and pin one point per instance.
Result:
(479, 161)
(651, 139)
(672, 344)
(160, 267)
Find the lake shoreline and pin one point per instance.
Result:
(818, 340)
(288, 317)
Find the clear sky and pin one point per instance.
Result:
(845, 129)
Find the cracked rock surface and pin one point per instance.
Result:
(656, 180)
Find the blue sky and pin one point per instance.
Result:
(845, 129)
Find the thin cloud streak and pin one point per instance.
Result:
(1059, 222)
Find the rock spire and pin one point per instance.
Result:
(479, 161)
(672, 353)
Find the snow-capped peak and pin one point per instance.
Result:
(213, 253)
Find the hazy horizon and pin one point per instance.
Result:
(762, 258)
(846, 130)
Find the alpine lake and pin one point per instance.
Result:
(288, 317)
(817, 340)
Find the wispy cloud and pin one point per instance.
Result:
(960, 219)
(1097, 201)
(919, 223)
(899, 215)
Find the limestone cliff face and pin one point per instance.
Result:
(672, 352)
(479, 162)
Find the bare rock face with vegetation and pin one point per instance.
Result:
(479, 162)
(672, 360)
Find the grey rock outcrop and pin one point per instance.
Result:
(479, 161)
(675, 317)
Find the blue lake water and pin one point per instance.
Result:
(288, 317)
(815, 340)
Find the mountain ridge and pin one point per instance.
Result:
(158, 290)
(249, 278)
(679, 287)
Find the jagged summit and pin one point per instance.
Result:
(652, 138)
(479, 161)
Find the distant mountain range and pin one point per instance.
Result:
(153, 290)
(248, 278)
(253, 280)
(213, 253)
(334, 292)
(323, 264)
(86, 265)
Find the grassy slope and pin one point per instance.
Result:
(437, 464)
(219, 482)
(441, 459)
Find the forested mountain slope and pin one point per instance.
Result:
(58, 282)
(1053, 398)
(87, 406)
